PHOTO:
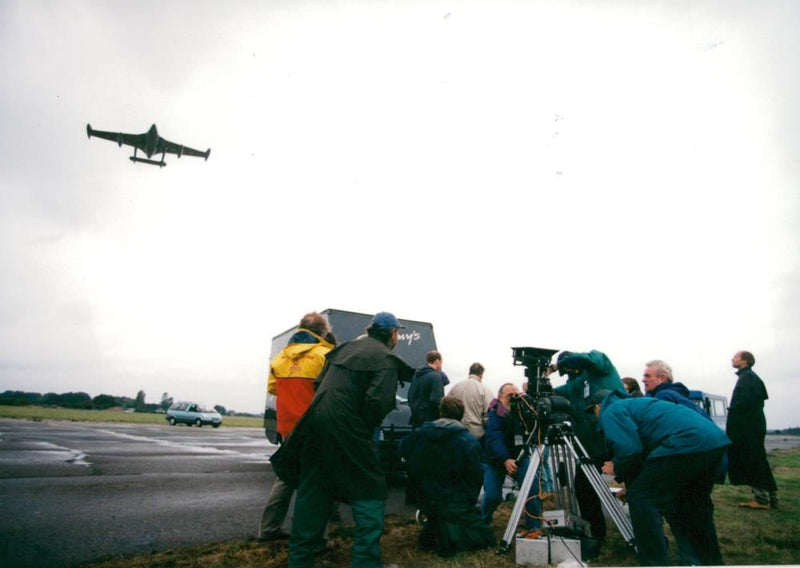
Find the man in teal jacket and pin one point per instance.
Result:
(588, 373)
(667, 456)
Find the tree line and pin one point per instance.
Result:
(82, 401)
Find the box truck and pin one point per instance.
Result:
(413, 343)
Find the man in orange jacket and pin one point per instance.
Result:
(291, 379)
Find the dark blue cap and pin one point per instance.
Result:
(597, 398)
(386, 320)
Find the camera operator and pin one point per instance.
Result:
(499, 461)
(587, 373)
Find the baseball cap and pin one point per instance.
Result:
(386, 320)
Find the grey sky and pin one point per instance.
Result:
(611, 175)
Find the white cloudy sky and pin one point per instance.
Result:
(612, 175)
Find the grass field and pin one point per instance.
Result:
(747, 537)
(74, 415)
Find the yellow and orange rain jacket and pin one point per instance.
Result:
(291, 377)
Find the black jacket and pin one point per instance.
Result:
(445, 461)
(334, 440)
(746, 427)
(424, 395)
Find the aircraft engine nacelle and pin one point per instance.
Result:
(180, 151)
(119, 139)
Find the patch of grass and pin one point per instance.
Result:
(747, 537)
(39, 413)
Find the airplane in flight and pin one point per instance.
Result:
(150, 143)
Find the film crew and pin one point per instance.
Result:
(587, 373)
(747, 428)
(667, 456)
(291, 379)
(499, 461)
(476, 398)
(331, 456)
(444, 460)
(427, 390)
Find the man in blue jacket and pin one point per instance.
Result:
(659, 383)
(426, 390)
(500, 460)
(667, 456)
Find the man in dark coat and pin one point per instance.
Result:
(747, 428)
(333, 444)
(444, 459)
(426, 390)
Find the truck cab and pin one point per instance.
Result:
(413, 344)
(715, 405)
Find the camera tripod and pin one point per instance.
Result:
(566, 452)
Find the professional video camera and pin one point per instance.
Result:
(537, 407)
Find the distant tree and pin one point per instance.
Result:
(220, 409)
(166, 401)
(104, 402)
(51, 399)
(68, 400)
(140, 405)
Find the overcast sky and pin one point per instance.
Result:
(620, 176)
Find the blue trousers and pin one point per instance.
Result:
(493, 478)
(679, 489)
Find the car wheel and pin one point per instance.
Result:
(199, 423)
(172, 421)
(216, 425)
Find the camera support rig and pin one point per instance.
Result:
(566, 450)
(565, 453)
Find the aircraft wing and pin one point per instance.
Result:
(177, 149)
(135, 140)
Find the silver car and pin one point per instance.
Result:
(193, 413)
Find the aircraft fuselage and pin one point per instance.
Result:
(151, 141)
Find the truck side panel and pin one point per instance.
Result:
(414, 342)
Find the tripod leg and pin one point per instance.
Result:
(522, 498)
(609, 502)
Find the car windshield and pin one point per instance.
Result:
(204, 408)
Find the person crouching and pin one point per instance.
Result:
(444, 465)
